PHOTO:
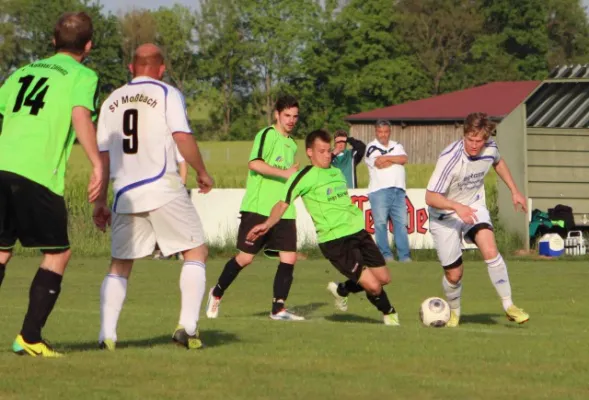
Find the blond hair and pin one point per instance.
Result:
(479, 123)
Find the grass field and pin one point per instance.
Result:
(332, 355)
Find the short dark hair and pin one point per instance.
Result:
(72, 32)
(285, 102)
(320, 134)
(340, 133)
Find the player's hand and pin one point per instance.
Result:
(467, 214)
(294, 168)
(256, 232)
(205, 182)
(95, 185)
(519, 200)
(101, 215)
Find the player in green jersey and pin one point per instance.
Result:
(271, 163)
(340, 228)
(41, 103)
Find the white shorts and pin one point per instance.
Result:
(175, 227)
(449, 232)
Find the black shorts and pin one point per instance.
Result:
(351, 254)
(31, 213)
(281, 237)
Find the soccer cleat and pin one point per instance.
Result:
(516, 314)
(213, 303)
(181, 338)
(341, 302)
(39, 349)
(391, 319)
(453, 321)
(107, 344)
(285, 315)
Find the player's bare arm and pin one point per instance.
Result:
(386, 161)
(191, 153)
(439, 201)
(101, 214)
(505, 175)
(275, 215)
(86, 134)
(262, 168)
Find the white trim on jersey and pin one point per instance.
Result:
(136, 125)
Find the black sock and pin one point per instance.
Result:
(2, 272)
(43, 294)
(381, 302)
(349, 286)
(230, 272)
(282, 283)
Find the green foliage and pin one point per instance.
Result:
(232, 58)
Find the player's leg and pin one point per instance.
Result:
(247, 253)
(7, 226)
(346, 255)
(178, 229)
(482, 234)
(282, 238)
(379, 206)
(113, 293)
(132, 237)
(446, 234)
(41, 222)
(398, 214)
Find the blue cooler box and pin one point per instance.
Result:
(551, 245)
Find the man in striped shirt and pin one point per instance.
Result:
(456, 197)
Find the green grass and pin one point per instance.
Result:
(332, 355)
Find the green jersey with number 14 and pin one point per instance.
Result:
(36, 102)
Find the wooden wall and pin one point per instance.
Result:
(423, 143)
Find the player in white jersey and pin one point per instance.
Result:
(139, 127)
(456, 197)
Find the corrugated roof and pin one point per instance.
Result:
(497, 99)
(579, 71)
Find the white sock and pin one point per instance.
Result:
(192, 288)
(500, 279)
(112, 297)
(453, 293)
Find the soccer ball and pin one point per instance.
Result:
(434, 312)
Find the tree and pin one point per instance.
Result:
(176, 34)
(224, 55)
(440, 33)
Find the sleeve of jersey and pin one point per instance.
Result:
(176, 114)
(4, 93)
(297, 185)
(85, 93)
(371, 155)
(442, 176)
(399, 150)
(263, 145)
(496, 154)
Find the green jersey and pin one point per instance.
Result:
(325, 194)
(263, 192)
(36, 102)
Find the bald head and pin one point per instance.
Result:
(148, 60)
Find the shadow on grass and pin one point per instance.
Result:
(482, 319)
(210, 338)
(352, 318)
(303, 309)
